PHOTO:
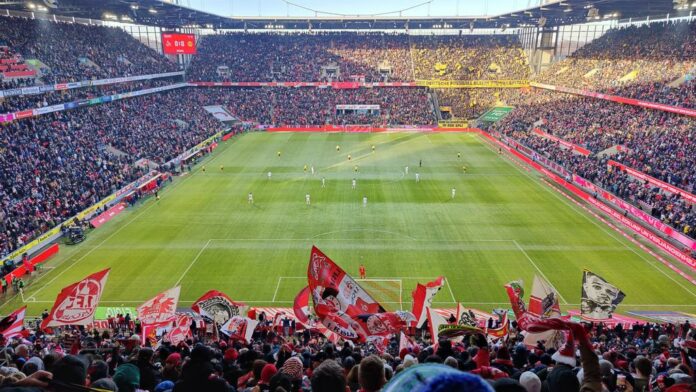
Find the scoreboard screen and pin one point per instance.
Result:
(175, 43)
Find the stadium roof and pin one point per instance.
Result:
(167, 15)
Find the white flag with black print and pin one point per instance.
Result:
(599, 297)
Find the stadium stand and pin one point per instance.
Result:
(74, 52)
(349, 56)
(649, 62)
(56, 165)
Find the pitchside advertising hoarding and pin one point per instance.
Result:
(176, 43)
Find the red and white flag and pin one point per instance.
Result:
(161, 308)
(217, 306)
(76, 304)
(240, 328)
(333, 290)
(301, 306)
(181, 330)
(405, 343)
(423, 298)
(12, 325)
(435, 321)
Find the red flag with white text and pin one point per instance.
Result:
(423, 298)
(76, 304)
(161, 308)
(12, 325)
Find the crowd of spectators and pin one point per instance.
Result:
(55, 165)
(75, 52)
(637, 357)
(371, 57)
(635, 61)
(657, 143)
(472, 103)
(317, 106)
(21, 102)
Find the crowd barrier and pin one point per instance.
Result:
(580, 150)
(34, 90)
(615, 98)
(654, 181)
(39, 258)
(644, 217)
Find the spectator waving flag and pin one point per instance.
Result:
(161, 308)
(218, 307)
(466, 323)
(423, 298)
(599, 297)
(76, 304)
(12, 325)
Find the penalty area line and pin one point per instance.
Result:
(200, 252)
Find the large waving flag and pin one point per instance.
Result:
(423, 298)
(599, 297)
(181, 330)
(301, 306)
(503, 330)
(12, 325)
(334, 290)
(344, 307)
(436, 323)
(240, 328)
(218, 307)
(161, 308)
(544, 314)
(76, 304)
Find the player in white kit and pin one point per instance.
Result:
(250, 198)
(312, 169)
(323, 182)
(269, 175)
(307, 199)
(454, 191)
(353, 183)
(406, 169)
(364, 201)
(417, 177)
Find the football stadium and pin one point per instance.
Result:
(353, 196)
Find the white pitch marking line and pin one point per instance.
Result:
(401, 294)
(200, 252)
(449, 286)
(539, 270)
(277, 287)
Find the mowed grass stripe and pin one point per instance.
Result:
(407, 229)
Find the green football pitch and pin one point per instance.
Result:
(503, 224)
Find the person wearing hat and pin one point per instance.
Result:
(172, 367)
(265, 381)
(127, 377)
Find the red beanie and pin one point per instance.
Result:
(267, 372)
(231, 354)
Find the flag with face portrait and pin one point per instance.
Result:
(381, 324)
(466, 324)
(599, 297)
(218, 307)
